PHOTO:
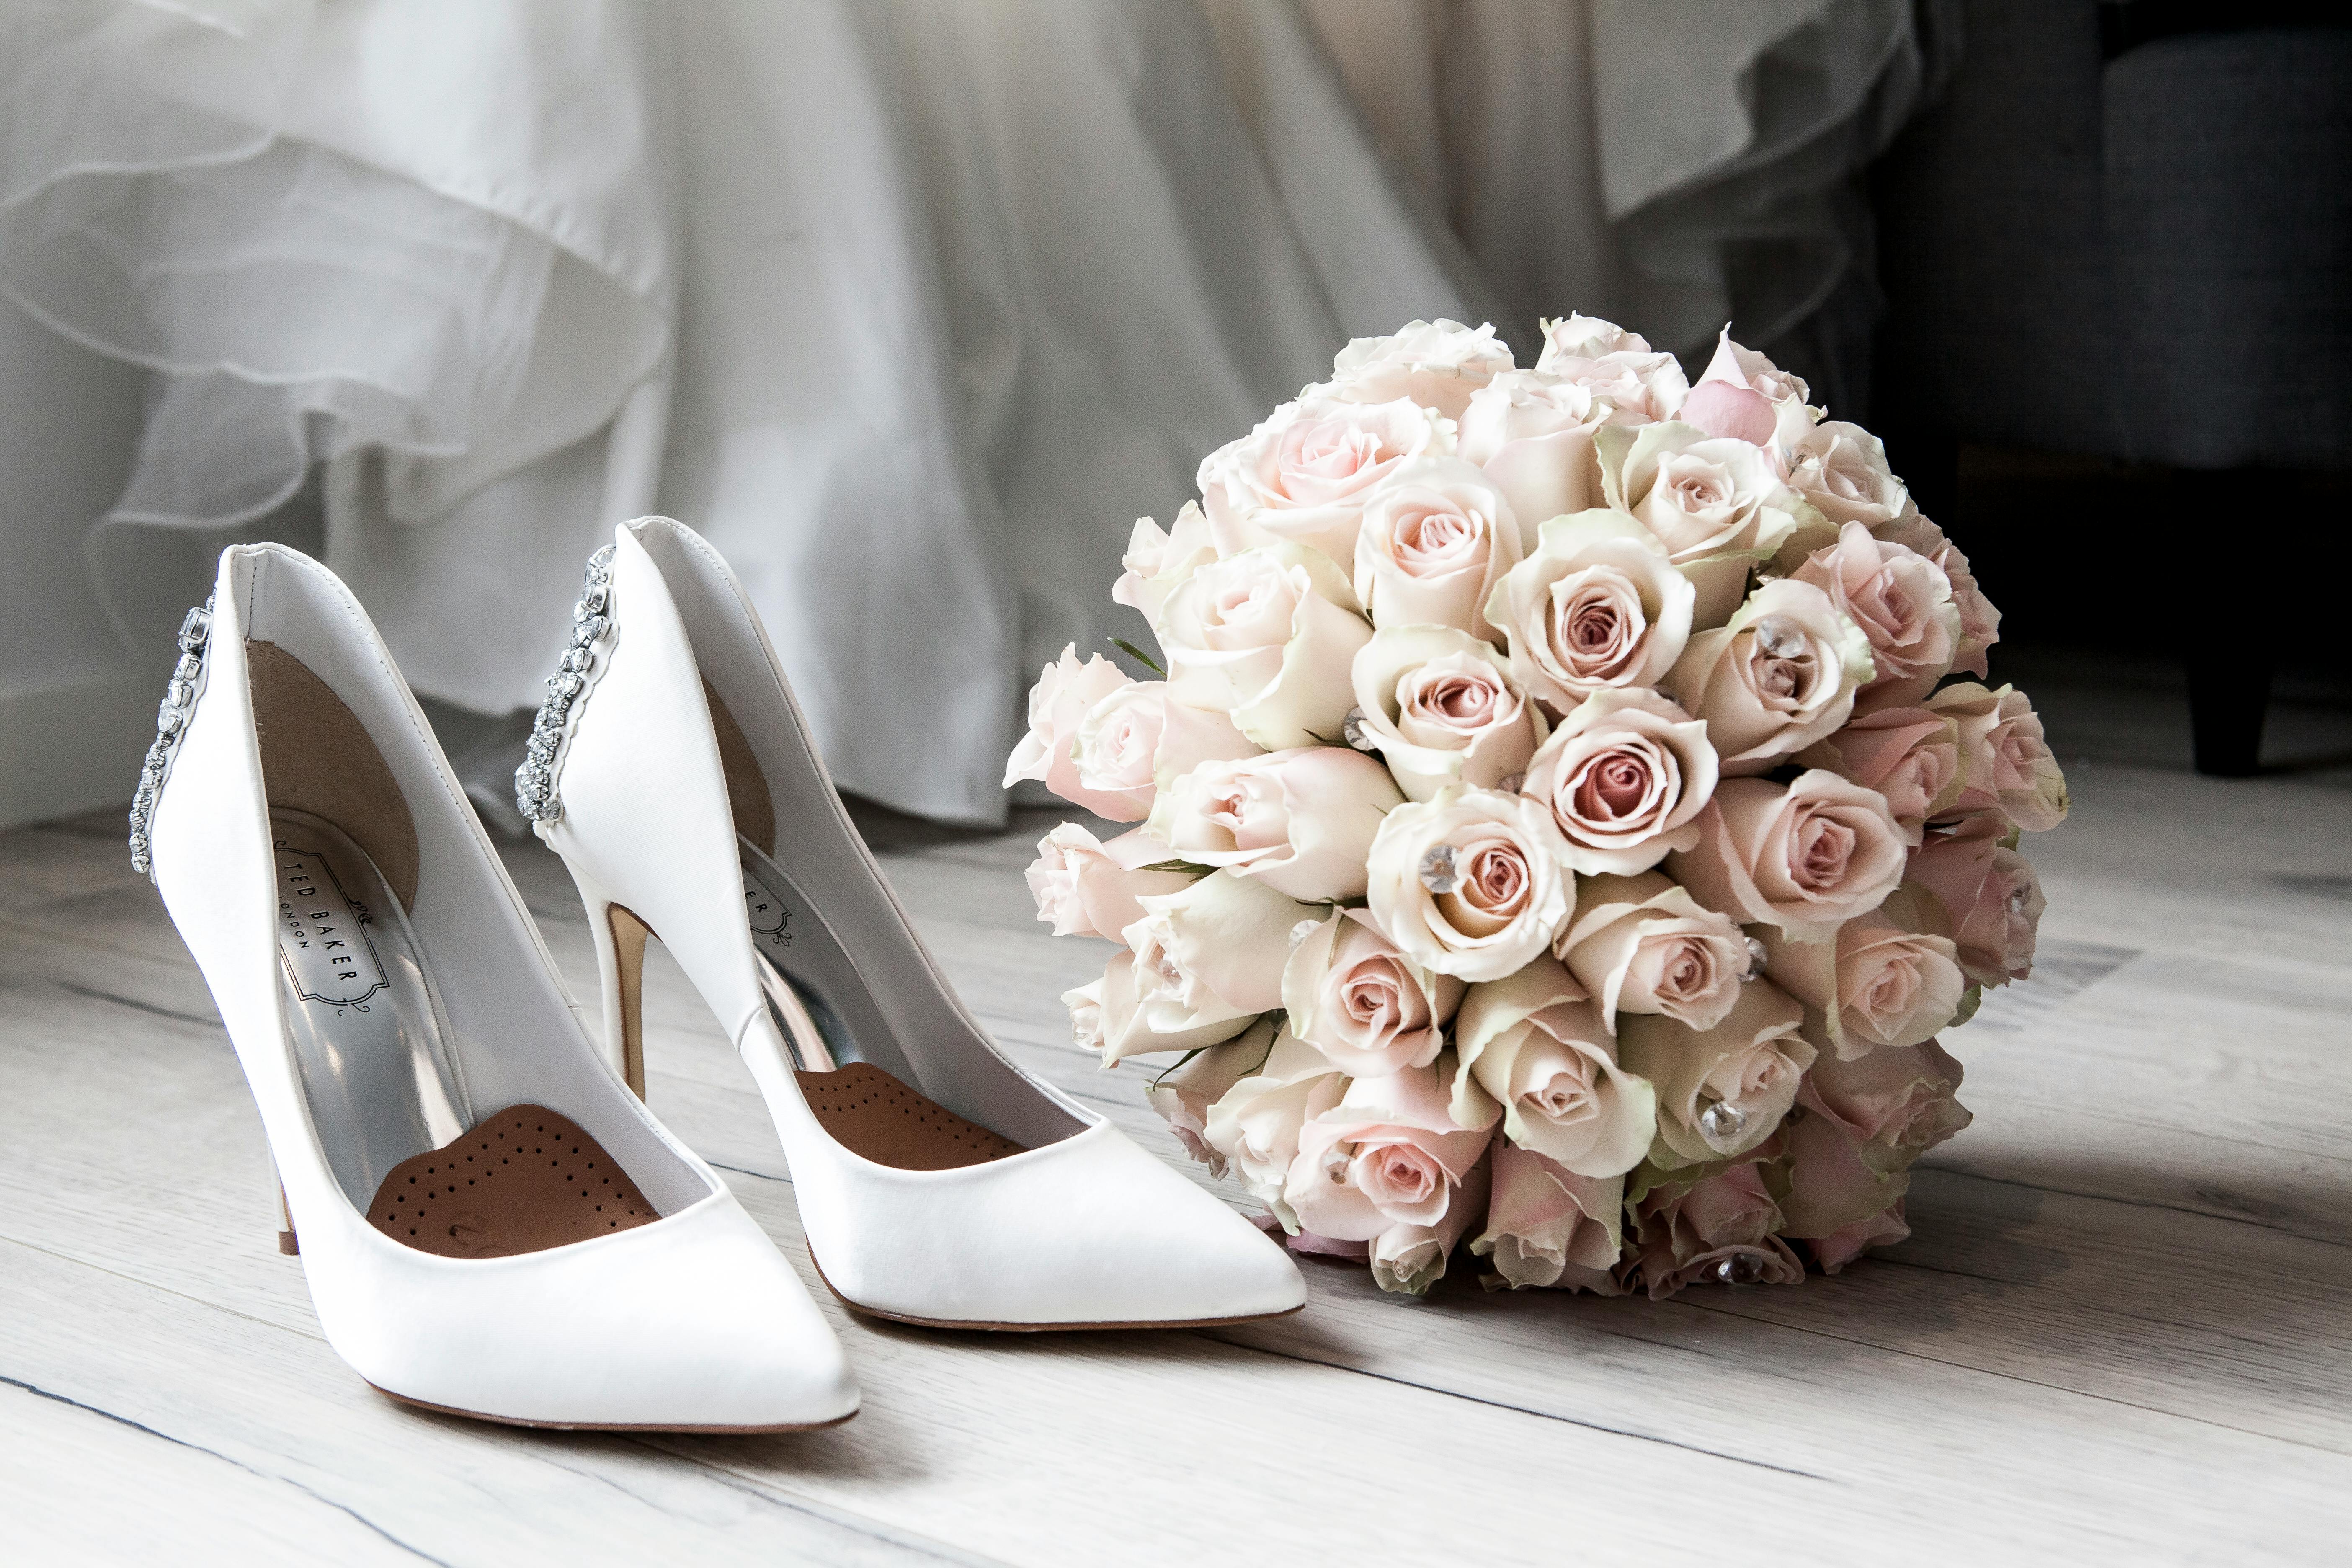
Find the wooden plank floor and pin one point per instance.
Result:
(2123, 1329)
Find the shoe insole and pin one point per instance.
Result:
(870, 1113)
(525, 1180)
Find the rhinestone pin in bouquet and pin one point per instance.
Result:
(1571, 811)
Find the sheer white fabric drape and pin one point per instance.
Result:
(911, 307)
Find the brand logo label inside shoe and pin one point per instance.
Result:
(771, 917)
(322, 933)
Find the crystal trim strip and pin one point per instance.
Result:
(179, 706)
(567, 694)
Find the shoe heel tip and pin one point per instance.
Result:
(287, 1245)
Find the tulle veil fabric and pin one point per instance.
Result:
(911, 307)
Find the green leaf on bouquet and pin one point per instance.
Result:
(1175, 866)
(1140, 657)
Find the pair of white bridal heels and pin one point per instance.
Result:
(490, 1221)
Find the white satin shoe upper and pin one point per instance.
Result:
(689, 1320)
(1082, 1228)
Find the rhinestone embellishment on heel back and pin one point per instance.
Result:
(171, 723)
(567, 692)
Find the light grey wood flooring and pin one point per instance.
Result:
(2123, 1331)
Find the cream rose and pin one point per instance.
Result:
(1267, 636)
(1441, 709)
(1391, 1153)
(1533, 436)
(1183, 1093)
(1064, 693)
(1211, 952)
(1434, 543)
(1721, 1091)
(1642, 944)
(1156, 562)
(1303, 476)
(1300, 821)
(1780, 395)
(1355, 997)
(1826, 1184)
(1408, 1258)
(1716, 503)
(1107, 1017)
(1979, 621)
(1533, 1043)
(1547, 1226)
(1896, 1103)
(1469, 883)
(1882, 981)
(1719, 1230)
(1990, 895)
(1780, 675)
(1844, 1245)
(1641, 385)
(1136, 737)
(1805, 856)
(1901, 601)
(1087, 888)
(1255, 1125)
(1909, 755)
(2007, 761)
(1842, 469)
(1625, 775)
(1438, 365)
(1596, 607)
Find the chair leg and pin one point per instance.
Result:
(2229, 686)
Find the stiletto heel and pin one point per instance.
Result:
(627, 987)
(940, 1183)
(489, 1224)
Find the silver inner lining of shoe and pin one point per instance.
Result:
(819, 998)
(369, 1035)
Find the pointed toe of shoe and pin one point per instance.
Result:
(1194, 1260)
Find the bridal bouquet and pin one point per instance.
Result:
(1565, 821)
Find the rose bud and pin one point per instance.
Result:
(2007, 761)
(1136, 737)
(1642, 944)
(1909, 755)
(1881, 982)
(1407, 1260)
(1825, 1184)
(1843, 1245)
(1156, 562)
(1300, 821)
(1109, 1018)
(1438, 365)
(1896, 1103)
(1065, 692)
(1435, 540)
(1084, 887)
(1211, 952)
(1533, 436)
(1255, 1125)
(1303, 476)
(1470, 883)
(1785, 394)
(1547, 1226)
(1780, 675)
(1990, 895)
(1721, 1091)
(1902, 602)
(1806, 856)
(1532, 1043)
(1390, 1152)
(1596, 607)
(1979, 621)
(1642, 385)
(1267, 636)
(1354, 997)
(1720, 1230)
(1183, 1093)
(1440, 708)
(1625, 775)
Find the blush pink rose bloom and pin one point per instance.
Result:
(1779, 676)
(1137, 736)
(1086, 887)
(1642, 944)
(1438, 365)
(1842, 469)
(1625, 776)
(2006, 757)
(1642, 385)
(1532, 435)
(1990, 895)
(1901, 601)
(1979, 621)
(1470, 883)
(1846, 1243)
(1879, 982)
(1716, 503)
(1804, 857)
(1909, 755)
(1896, 1103)
(1534, 1044)
(1407, 1260)
(1721, 1091)
(1771, 393)
(1547, 1226)
(1107, 1018)
(1391, 1153)
(1256, 1124)
(1300, 821)
(1064, 692)
(1355, 997)
(1442, 708)
(1183, 1093)
(1721, 1230)
(1824, 1183)
(1304, 476)
(1267, 636)
(1434, 543)
(1597, 607)
(1209, 956)
(1156, 562)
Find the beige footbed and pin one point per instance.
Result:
(523, 1180)
(870, 1113)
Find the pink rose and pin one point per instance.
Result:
(1625, 776)
(1597, 607)
(1776, 394)
(1642, 944)
(1898, 597)
(1065, 692)
(1722, 1230)
(1183, 1094)
(1470, 883)
(1547, 1226)
(1979, 621)
(1846, 1243)
(1779, 676)
(1267, 636)
(1256, 1124)
(1434, 543)
(1304, 476)
(1211, 952)
(1878, 983)
(1806, 856)
(1389, 1153)
(1842, 469)
(1896, 1103)
(1407, 1259)
(1532, 1043)
(1137, 736)
(1442, 709)
(1717, 504)
(1771, 1261)
(1825, 1184)
(1990, 895)
(1643, 385)
(1437, 364)
(2008, 765)
(1299, 821)
(1084, 888)
(1721, 1091)
(1533, 436)
(1107, 1018)
(1156, 562)
(1909, 755)
(1356, 997)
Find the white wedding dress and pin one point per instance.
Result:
(911, 307)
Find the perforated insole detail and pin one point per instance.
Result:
(871, 1113)
(523, 1180)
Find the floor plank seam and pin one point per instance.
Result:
(2137, 1204)
(846, 1519)
(212, 1022)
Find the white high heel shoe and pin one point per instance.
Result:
(938, 1184)
(491, 1223)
